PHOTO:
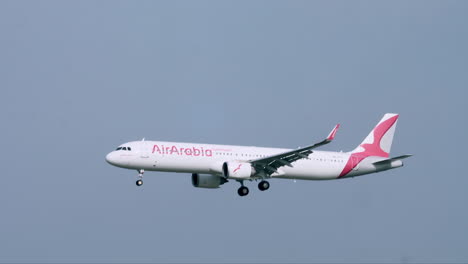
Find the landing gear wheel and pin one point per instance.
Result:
(243, 191)
(263, 185)
(139, 182)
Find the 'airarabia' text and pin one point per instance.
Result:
(174, 150)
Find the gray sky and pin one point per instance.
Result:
(79, 78)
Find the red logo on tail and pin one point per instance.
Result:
(373, 149)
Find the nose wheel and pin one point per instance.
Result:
(139, 182)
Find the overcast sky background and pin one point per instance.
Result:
(78, 78)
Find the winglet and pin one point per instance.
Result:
(332, 134)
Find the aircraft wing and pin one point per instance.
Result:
(270, 165)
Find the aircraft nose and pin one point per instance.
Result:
(112, 158)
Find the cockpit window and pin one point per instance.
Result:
(124, 148)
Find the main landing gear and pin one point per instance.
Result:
(262, 186)
(139, 182)
(243, 191)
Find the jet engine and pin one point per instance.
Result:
(237, 170)
(207, 181)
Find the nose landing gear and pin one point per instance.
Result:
(139, 182)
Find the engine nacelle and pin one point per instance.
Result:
(207, 181)
(237, 170)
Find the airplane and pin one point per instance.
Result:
(214, 165)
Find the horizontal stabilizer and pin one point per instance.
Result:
(382, 162)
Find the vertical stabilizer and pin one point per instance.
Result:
(379, 141)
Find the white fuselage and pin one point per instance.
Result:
(213, 165)
(208, 159)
